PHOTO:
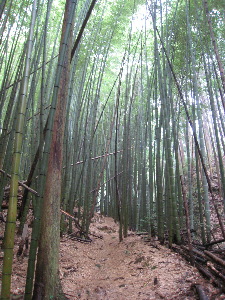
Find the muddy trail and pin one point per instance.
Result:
(106, 269)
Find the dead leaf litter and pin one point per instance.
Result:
(107, 269)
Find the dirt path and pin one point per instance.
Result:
(106, 269)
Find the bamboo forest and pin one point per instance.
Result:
(112, 149)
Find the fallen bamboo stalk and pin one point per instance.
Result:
(215, 258)
(79, 239)
(197, 255)
(195, 251)
(206, 270)
(178, 250)
(210, 276)
(214, 243)
(200, 292)
(142, 233)
(215, 271)
(21, 183)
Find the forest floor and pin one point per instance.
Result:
(107, 269)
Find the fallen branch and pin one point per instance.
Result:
(37, 113)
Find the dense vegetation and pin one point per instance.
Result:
(131, 124)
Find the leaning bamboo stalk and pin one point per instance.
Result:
(10, 114)
(45, 158)
(80, 34)
(97, 188)
(118, 199)
(36, 193)
(218, 84)
(19, 80)
(94, 158)
(96, 191)
(2, 6)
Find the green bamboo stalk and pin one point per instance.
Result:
(214, 117)
(213, 39)
(201, 215)
(194, 136)
(12, 210)
(2, 6)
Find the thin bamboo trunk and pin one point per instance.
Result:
(12, 210)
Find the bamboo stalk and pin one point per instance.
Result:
(21, 183)
(12, 210)
(215, 258)
(195, 137)
(200, 292)
(82, 28)
(94, 158)
(187, 220)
